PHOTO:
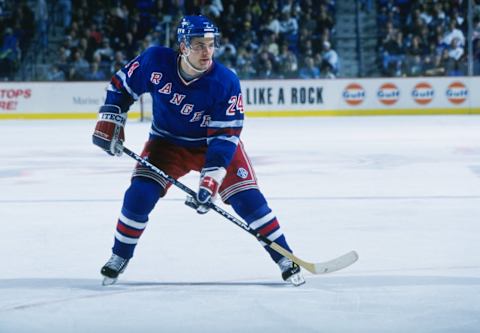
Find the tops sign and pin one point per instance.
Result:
(9, 98)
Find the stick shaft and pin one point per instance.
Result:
(227, 215)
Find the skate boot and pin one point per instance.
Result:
(291, 272)
(114, 267)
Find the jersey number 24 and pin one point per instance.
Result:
(236, 103)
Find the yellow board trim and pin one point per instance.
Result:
(364, 112)
(58, 116)
(267, 114)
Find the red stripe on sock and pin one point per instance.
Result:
(269, 228)
(128, 231)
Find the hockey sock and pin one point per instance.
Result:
(253, 208)
(139, 200)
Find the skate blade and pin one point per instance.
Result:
(108, 281)
(296, 279)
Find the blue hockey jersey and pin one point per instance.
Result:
(206, 111)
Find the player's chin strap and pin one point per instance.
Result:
(314, 268)
(189, 64)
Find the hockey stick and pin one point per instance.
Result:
(314, 268)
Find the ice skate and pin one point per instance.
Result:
(291, 272)
(112, 269)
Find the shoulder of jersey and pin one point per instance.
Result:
(223, 74)
(159, 53)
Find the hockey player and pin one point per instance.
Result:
(197, 119)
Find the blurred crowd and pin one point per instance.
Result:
(265, 39)
(260, 39)
(423, 38)
(17, 27)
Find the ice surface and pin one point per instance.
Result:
(402, 191)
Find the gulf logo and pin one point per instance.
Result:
(423, 93)
(457, 92)
(388, 93)
(353, 94)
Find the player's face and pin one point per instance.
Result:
(201, 53)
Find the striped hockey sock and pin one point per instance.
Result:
(127, 233)
(253, 208)
(139, 200)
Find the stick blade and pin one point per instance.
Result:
(335, 264)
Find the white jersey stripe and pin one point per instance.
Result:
(163, 133)
(122, 76)
(233, 139)
(225, 124)
(132, 223)
(125, 239)
(261, 221)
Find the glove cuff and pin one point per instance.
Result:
(112, 114)
(216, 173)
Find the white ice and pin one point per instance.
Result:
(402, 191)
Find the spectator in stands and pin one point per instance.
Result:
(272, 23)
(454, 33)
(417, 48)
(287, 62)
(227, 51)
(309, 70)
(95, 73)
(414, 65)
(265, 71)
(213, 8)
(289, 27)
(119, 62)
(24, 26)
(41, 23)
(9, 55)
(455, 51)
(244, 63)
(105, 52)
(437, 68)
(330, 57)
(78, 67)
(326, 71)
(55, 73)
(65, 12)
(264, 64)
(393, 54)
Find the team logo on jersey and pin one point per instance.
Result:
(388, 93)
(242, 173)
(156, 77)
(423, 93)
(457, 92)
(353, 94)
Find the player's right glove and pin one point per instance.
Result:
(210, 180)
(109, 132)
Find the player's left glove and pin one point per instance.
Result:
(210, 180)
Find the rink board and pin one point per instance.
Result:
(262, 98)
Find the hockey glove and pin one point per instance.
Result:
(210, 180)
(109, 132)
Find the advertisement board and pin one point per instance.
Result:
(262, 98)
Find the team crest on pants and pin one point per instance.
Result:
(242, 173)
